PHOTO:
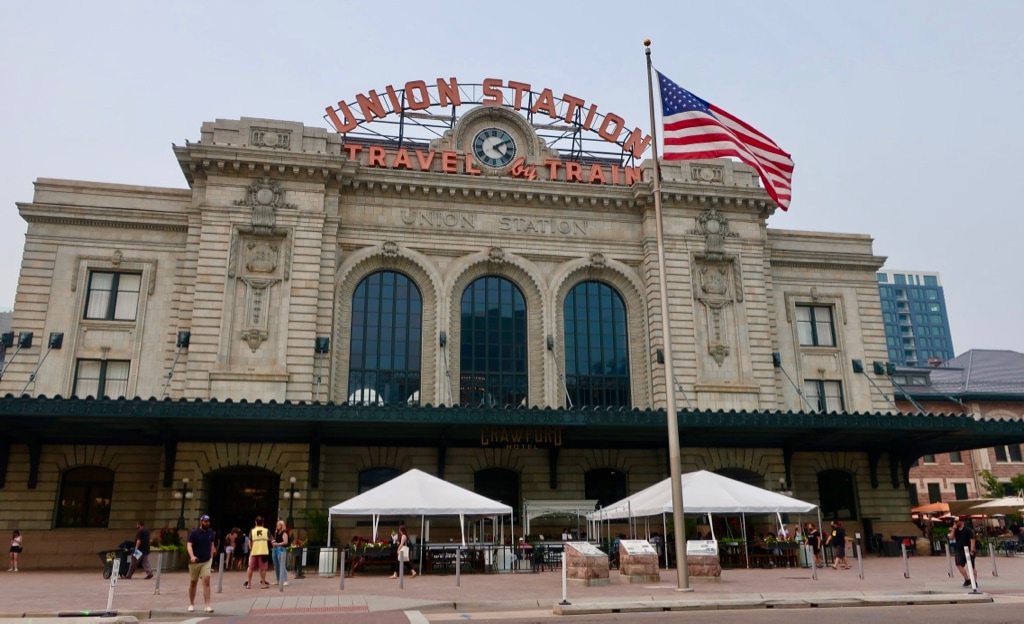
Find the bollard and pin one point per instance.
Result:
(220, 575)
(159, 570)
(458, 567)
(949, 560)
(401, 574)
(565, 581)
(342, 575)
(906, 562)
(300, 563)
(814, 562)
(284, 572)
(860, 561)
(970, 571)
(113, 583)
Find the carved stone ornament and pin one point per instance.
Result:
(261, 256)
(264, 196)
(715, 229)
(598, 260)
(116, 259)
(714, 280)
(390, 248)
(254, 338)
(718, 352)
(270, 137)
(497, 254)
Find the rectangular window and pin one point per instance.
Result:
(101, 378)
(824, 396)
(1008, 453)
(931, 280)
(814, 326)
(113, 296)
(955, 457)
(960, 489)
(913, 495)
(934, 494)
(927, 459)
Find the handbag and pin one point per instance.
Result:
(403, 553)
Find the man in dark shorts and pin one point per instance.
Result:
(201, 548)
(838, 541)
(964, 536)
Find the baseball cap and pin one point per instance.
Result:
(204, 517)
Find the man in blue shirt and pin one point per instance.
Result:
(201, 547)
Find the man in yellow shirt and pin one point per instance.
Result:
(259, 554)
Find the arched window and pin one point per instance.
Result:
(500, 484)
(387, 320)
(743, 476)
(607, 485)
(596, 346)
(493, 344)
(837, 495)
(372, 477)
(85, 497)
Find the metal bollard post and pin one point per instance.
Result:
(860, 561)
(159, 569)
(401, 574)
(300, 564)
(814, 562)
(992, 555)
(906, 563)
(342, 575)
(113, 583)
(220, 575)
(565, 582)
(971, 571)
(949, 560)
(458, 567)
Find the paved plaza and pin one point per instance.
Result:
(48, 593)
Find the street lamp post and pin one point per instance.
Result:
(291, 494)
(184, 494)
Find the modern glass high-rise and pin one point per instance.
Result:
(914, 312)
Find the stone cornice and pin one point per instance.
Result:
(197, 160)
(32, 214)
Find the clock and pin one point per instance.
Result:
(494, 147)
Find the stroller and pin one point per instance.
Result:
(122, 552)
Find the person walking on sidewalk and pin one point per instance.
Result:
(963, 536)
(259, 539)
(15, 550)
(140, 556)
(403, 553)
(280, 553)
(201, 546)
(838, 541)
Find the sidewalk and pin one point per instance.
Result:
(46, 594)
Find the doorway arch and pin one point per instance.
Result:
(240, 493)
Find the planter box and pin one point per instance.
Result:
(170, 560)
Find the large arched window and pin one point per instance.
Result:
(596, 346)
(85, 497)
(387, 321)
(837, 495)
(500, 484)
(372, 477)
(607, 485)
(493, 344)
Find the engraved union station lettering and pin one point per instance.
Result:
(439, 219)
(520, 437)
(566, 227)
(443, 219)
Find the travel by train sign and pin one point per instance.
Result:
(595, 146)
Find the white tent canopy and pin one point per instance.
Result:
(416, 493)
(703, 492)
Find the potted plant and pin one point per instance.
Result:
(168, 544)
(938, 536)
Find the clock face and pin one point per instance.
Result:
(494, 147)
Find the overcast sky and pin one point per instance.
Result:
(903, 118)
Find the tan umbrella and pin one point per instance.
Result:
(931, 508)
(1005, 505)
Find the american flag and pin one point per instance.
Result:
(698, 129)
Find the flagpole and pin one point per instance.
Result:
(674, 460)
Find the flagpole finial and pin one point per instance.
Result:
(647, 43)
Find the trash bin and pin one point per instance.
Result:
(328, 563)
(109, 556)
(891, 548)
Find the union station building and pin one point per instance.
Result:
(457, 278)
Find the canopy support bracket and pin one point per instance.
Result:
(873, 459)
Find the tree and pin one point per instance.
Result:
(994, 488)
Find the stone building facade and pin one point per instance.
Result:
(246, 303)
